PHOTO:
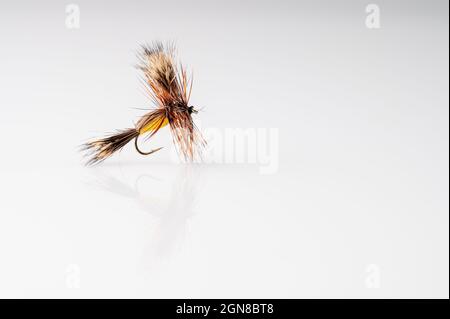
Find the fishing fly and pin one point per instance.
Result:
(169, 88)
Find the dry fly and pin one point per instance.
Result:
(169, 89)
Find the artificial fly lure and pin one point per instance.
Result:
(169, 89)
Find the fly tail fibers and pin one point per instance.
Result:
(100, 149)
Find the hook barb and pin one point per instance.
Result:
(141, 152)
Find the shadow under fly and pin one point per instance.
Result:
(171, 209)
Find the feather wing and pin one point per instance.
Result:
(160, 73)
(170, 88)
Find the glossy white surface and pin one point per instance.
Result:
(358, 206)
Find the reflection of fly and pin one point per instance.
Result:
(169, 89)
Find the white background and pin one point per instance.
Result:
(357, 208)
